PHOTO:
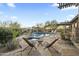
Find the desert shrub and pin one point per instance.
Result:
(8, 34)
(65, 34)
(13, 44)
(16, 32)
(8, 37)
(5, 35)
(61, 33)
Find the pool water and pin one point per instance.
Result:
(37, 35)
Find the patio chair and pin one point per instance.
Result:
(51, 43)
(30, 44)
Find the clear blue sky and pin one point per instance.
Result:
(29, 14)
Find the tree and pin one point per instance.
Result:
(14, 25)
(47, 23)
(51, 25)
(47, 26)
(39, 27)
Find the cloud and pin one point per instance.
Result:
(1, 12)
(6, 17)
(13, 17)
(54, 4)
(11, 5)
(68, 8)
(70, 17)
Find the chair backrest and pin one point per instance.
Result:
(29, 43)
(51, 43)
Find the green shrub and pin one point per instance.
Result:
(5, 35)
(65, 34)
(61, 33)
(15, 32)
(13, 44)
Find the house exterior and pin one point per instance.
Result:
(63, 25)
(75, 28)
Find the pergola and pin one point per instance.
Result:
(66, 5)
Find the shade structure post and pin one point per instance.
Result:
(78, 16)
(66, 5)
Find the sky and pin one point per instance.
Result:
(30, 14)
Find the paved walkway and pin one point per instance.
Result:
(66, 49)
(75, 43)
(43, 51)
(40, 50)
(60, 47)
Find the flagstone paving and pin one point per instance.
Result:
(61, 47)
(66, 49)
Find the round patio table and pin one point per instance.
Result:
(40, 42)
